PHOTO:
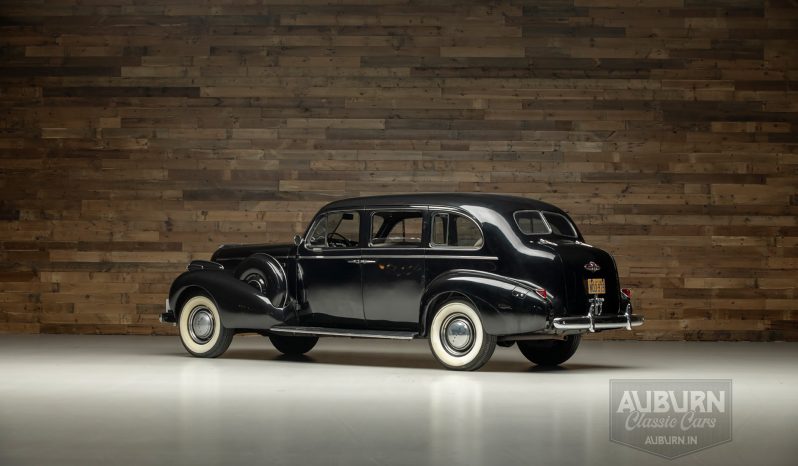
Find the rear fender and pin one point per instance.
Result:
(506, 306)
(240, 305)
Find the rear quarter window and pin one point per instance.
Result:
(560, 225)
(534, 222)
(531, 222)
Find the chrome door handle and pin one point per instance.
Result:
(353, 261)
(367, 261)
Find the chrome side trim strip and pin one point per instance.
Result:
(351, 333)
(406, 256)
(387, 256)
(329, 257)
(240, 258)
(481, 258)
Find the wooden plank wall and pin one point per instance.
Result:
(139, 134)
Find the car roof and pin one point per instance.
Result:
(497, 202)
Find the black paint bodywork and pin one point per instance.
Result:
(399, 288)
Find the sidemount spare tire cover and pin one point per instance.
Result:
(265, 273)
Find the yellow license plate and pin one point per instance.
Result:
(595, 286)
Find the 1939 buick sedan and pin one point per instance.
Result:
(466, 271)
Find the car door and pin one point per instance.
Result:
(393, 267)
(456, 242)
(329, 271)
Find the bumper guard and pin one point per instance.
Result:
(168, 317)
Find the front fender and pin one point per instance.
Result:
(505, 305)
(240, 305)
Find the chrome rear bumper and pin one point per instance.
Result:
(593, 323)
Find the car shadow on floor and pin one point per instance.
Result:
(409, 361)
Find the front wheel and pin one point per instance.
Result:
(457, 338)
(549, 352)
(201, 329)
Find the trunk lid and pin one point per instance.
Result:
(581, 263)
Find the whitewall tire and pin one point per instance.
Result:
(457, 338)
(201, 329)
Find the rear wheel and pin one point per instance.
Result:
(457, 338)
(550, 352)
(201, 329)
(293, 346)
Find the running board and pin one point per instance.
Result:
(342, 332)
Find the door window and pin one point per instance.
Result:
(335, 230)
(455, 230)
(396, 229)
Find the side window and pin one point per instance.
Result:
(531, 222)
(335, 230)
(455, 230)
(396, 229)
(560, 225)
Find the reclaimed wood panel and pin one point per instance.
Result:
(136, 135)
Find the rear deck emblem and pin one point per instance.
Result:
(592, 267)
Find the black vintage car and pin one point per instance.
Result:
(466, 271)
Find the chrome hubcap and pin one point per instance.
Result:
(256, 281)
(200, 324)
(457, 334)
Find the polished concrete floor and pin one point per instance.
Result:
(80, 400)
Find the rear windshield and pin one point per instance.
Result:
(534, 222)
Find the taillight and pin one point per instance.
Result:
(542, 293)
(627, 292)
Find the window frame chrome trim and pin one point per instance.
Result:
(432, 215)
(570, 223)
(446, 209)
(540, 213)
